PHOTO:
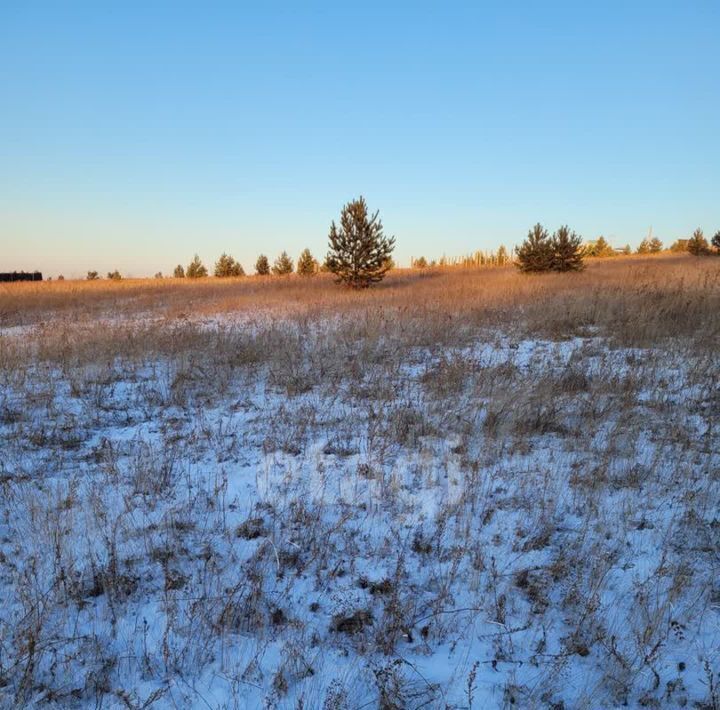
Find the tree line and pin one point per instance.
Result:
(359, 254)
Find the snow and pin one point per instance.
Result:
(536, 551)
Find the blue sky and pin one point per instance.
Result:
(134, 134)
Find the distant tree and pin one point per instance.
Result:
(92, 276)
(283, 265)
(644, 247)
(679, 245)
(196, 269)
(567, 250)
(159, 275)
(226, 267)
(179, 272)
(536, 252)
(420, 263)
(715, 241)
(262, 266)
(656, 246)
(114, 275)
(502, 256)
(697, 244)
(360, 253)
(599, 248)
(306, 265)
(627, 250)
(61, 278)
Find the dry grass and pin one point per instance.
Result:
(283, 492)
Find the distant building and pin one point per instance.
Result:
(21, 276)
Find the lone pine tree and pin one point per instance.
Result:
(179, 272)
(359, 250)
(535, 253)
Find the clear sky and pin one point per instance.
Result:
(133, 134)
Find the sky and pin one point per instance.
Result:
(134, 134)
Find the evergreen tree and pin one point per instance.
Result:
(159, 275)
(283, 265)
(599, 248)
(306, 265)
(92, 276)
(359, 252)
(196, 269)
(697, 244)
(535, 253)
(179, 272)
(655, 246)
(644, 247)
(716, 240)
(567, 250)
(226, 267)
(679, 245)
(627, 249)
(420, 263)
(262, 266)
(61, 278)
(114, 275)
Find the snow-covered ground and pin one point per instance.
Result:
(296, 518)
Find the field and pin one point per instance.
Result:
(459, 489)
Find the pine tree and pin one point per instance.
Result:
(179, 272)
(715, 241)
(697, 244)
(655, 246)
(226, 267)
(114, 275)
(283, 265)
(599, 248)
(644, 247)
(420, 263)
(535, 253)
(627, 250)
(92, 276)
(262, 266)
(196, 269)
(306, 265)
(359, 250)
(567, 250)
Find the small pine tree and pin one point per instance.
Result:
(627, 250)
(179, 272)
(655, 246)
(644, 247)
(536, 252)
(196, 269)
(420, 263)
(283, 265)
(159, 275)
(61, 278)
(306, 264)
(567, 250)
(114, 275)
(92, 276)
(262, 266)
(599, 248)
(715, 241)
(697, 244)
(679, 245)
(226, 266)
(359, 252)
